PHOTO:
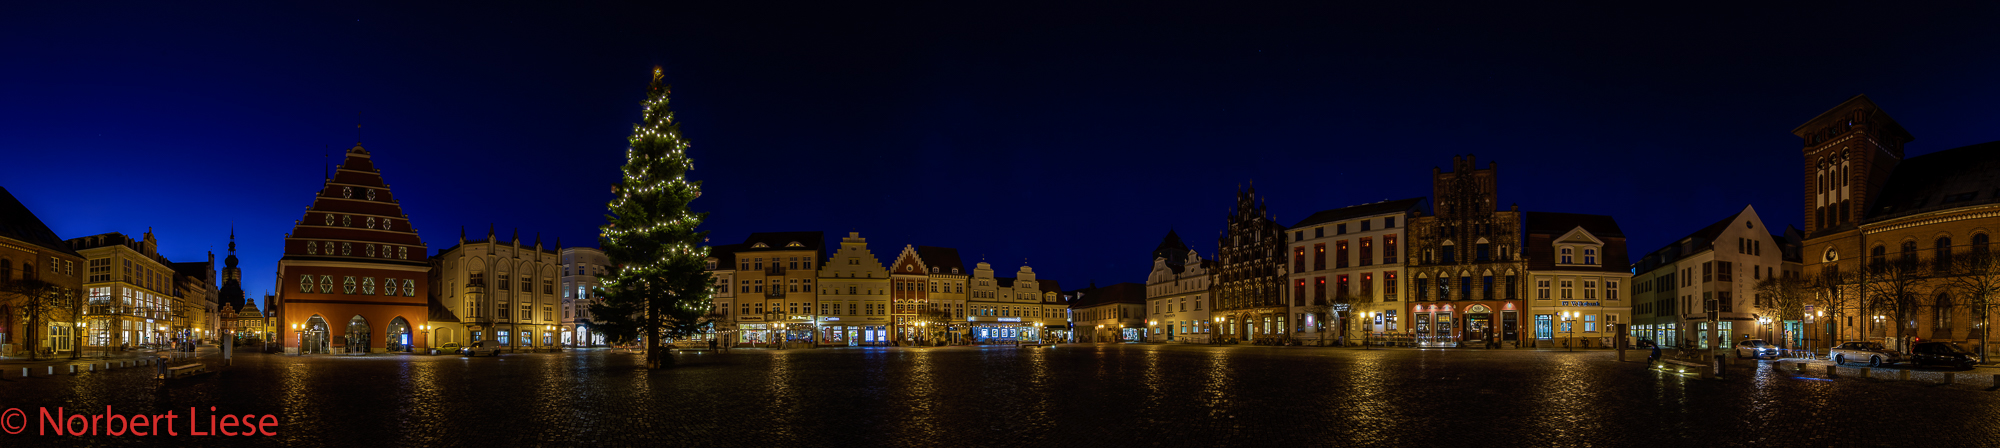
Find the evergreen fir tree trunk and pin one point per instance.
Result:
(658, 286)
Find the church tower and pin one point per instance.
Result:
(230, 295)
(1849, 152)
(353, 267)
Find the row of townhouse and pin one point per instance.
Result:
(101, 291)
(1400, 272)
(785, 288)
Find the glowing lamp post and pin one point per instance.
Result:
(1569, 324)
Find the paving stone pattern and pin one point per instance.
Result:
(1070, 395)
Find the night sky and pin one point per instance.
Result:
(1070, 136)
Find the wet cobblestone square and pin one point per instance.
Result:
(1070, 395)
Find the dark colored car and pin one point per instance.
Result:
(1942, 354)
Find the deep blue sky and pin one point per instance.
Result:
(1071, 136)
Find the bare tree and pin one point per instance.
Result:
(39, 303)
(1894, 286)
(1831, 292)
(1977, 280)
(1786, 295)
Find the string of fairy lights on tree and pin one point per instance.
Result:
(651, 237)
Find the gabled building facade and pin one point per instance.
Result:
(354, 268)
(1702, 287)
(1465, 267)
(853, 305)
(1580, 277)
(1250, 298)
(1177, 294)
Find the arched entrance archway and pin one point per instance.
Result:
(314, 339)
(399, 335)
(356, 335)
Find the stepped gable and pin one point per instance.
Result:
(354, 210)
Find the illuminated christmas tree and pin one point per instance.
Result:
(657, 287)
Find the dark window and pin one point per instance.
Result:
(1943, 256)
(1364, 225)
(1909, 253)
(1487, 292)
(1423, 289)
(1509, 287)
(1389, 222)
(1446, 255)
(1340, 229)
(1481, 251)
(1299, 235)
(1465, 286)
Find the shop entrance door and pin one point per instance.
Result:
(1478, 326)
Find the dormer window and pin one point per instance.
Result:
(760, 245)
(794, 244)
(1566, 255)
(1589, 256)
(934, 269)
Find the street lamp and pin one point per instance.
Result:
(426, 328)
(1569, 323)
(299, 331)
(1368, 339)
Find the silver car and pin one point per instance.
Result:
(1756, 349)
(489, 348)
(1872, 353)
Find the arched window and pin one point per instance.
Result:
(1908, 254)
(1876, 256)
(1979, 245)
(1941, 320)
(1943, 255)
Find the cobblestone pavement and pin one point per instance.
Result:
(1070, 395)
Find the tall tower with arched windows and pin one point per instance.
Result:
(1849, 152)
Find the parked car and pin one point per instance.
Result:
(1872, 353)
(490, 348)
(1756, 349)
(452, 347)
(1942, 354)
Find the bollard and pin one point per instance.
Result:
(1903, 375)
(24, 372)
(52, 371)
(1832, 372)
(1950, 377)
(72, 369)
(1802, 367)
(1866, 371)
